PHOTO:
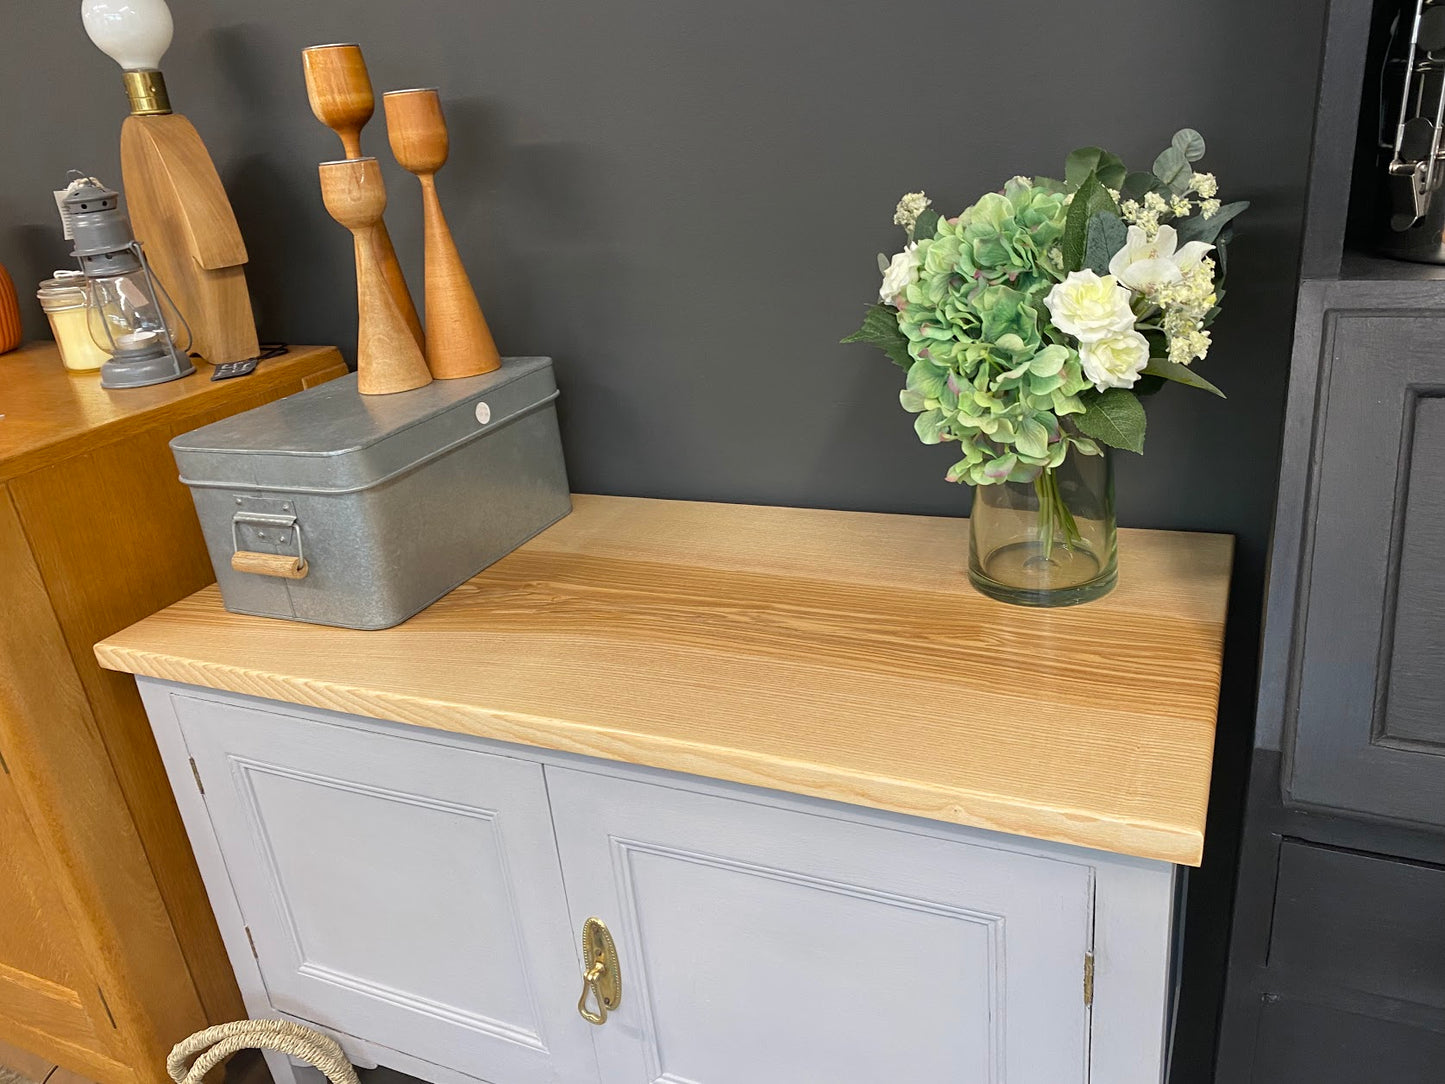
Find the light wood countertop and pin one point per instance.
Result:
(836, 654)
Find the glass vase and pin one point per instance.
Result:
(1049, 542)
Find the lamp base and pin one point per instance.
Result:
(180, 212)
(143, 372)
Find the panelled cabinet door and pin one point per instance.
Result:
(1369, 732)
(398, 889)
(770, 946)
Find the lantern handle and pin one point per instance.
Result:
(159, 288)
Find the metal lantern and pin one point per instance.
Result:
(132, 318)
(1412, 114)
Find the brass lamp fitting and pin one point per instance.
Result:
(146, 90)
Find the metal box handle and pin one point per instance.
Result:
(282, 565)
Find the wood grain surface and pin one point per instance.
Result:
(459, 342)
(834, 654)
(48, 413)
(181, 214)
(388, 359)
(96, 531)
(339, 90)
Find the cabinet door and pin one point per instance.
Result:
(400, 890)
(762, 945)
(1369, 733)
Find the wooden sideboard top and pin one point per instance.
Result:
(47, 412)
(836, 654)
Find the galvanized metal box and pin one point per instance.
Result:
(360, 510)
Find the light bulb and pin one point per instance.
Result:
(133, 33)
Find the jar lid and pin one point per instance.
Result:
(68, 287)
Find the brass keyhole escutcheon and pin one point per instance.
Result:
(602, 979)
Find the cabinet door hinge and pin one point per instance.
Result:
(197, 773)
(1088, 980)
(252, 940)
(106, 1006)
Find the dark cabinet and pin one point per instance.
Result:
(1369, 726)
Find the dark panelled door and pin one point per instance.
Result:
(1369, 734)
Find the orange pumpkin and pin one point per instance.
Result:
(9, 313)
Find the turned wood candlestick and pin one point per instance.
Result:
(459, 343)
(339, 89)
(387, 356)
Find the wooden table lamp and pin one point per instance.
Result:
(177, 205)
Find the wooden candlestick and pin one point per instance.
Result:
(387, 356)
(339, 89)
(459, 343)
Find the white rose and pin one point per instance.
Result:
(901, 273)
(1115, 362)
(1145, 265)
(1089, 307)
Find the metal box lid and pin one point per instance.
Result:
(332, 439)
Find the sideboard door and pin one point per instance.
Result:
(1369, 729)
(763, 945)
(397, 889)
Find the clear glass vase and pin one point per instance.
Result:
(1049, 542)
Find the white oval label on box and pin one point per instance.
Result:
(484, 413)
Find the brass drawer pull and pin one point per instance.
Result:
(603, 979)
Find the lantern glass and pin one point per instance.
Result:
(127, 312)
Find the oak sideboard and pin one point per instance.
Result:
(684, 792)
(108, 951)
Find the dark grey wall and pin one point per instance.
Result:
(681, 202)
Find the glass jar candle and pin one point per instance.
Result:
(66, 301)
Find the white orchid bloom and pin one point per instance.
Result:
(1145, 265)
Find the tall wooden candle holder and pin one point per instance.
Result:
(339, 89)
(459, 343)
(387, 357)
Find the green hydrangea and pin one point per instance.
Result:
(982, 372)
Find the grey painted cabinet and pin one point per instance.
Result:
(769, 946)
(400, 890)
(1369, 727)
(419, 895)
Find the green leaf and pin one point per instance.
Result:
(1189, 143)
(1090, 199)
(926, 226)
(1104, 237)
(927, 379)
(1137, 184)
(1032, 439)
(880, 327)
(929, 426)
(1109, 168)
(1199, 228)
(1173, 169)
(1180, 374)
(1115, 417)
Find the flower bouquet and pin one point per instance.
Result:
(1030, 326)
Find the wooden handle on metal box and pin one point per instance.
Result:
(270, 564)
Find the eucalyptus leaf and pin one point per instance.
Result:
(1091, 199)
(880, 327)
(1115, 417)
(926, 226)
(1189, 143)
(1109, 168)
(1173, 169)
(1104, 237)
(1199, 228)
(1180, 374)
(1137, 184)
